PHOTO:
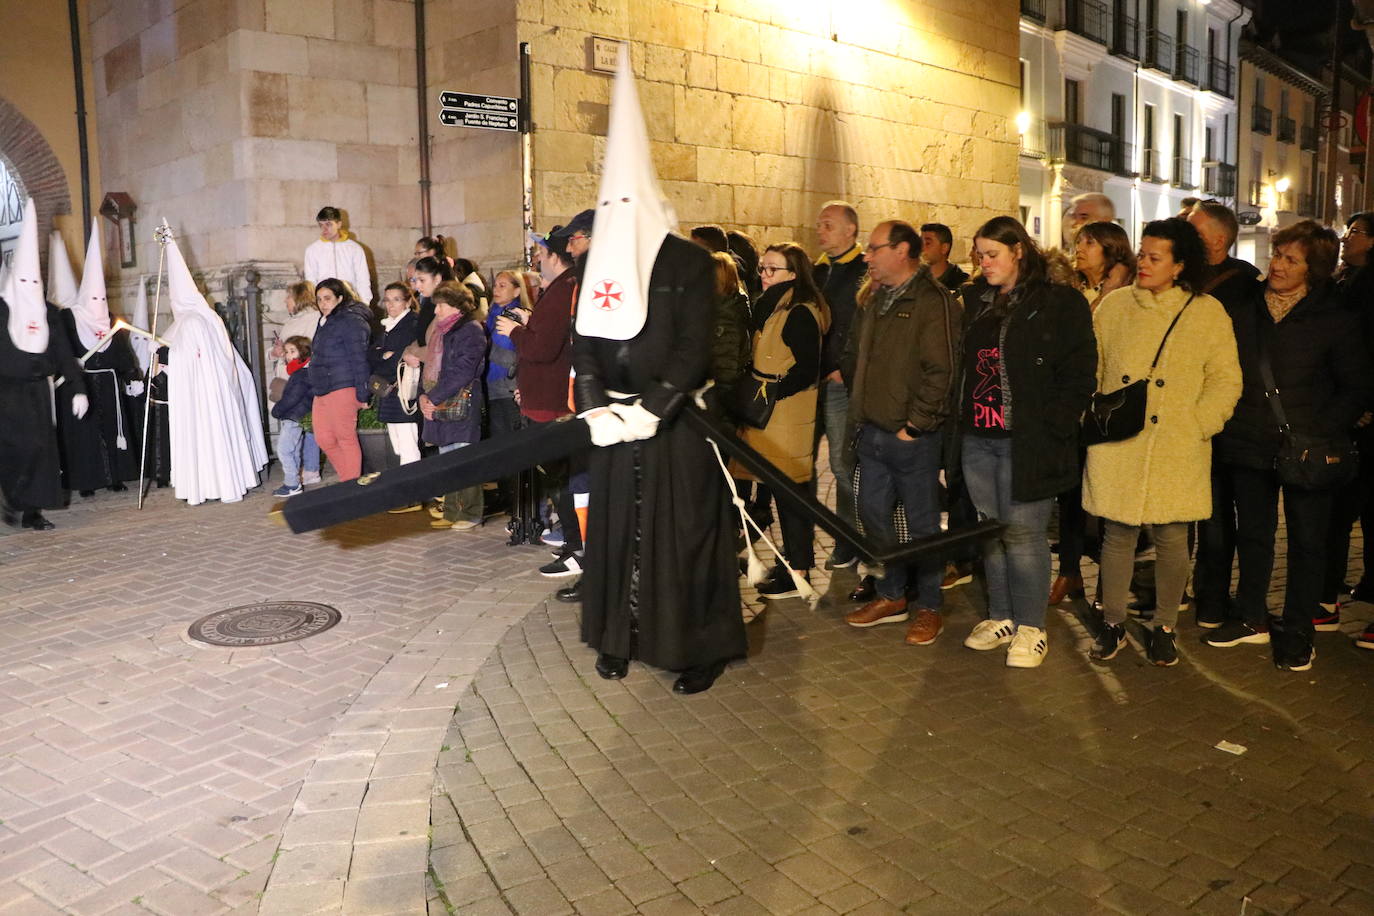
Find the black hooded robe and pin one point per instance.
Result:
(661, 580)
(92, 458)
(30, 466)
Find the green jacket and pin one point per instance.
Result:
(901, 355)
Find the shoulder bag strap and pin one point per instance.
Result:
(1219, 279)
(1160, 351)
(1271, 390)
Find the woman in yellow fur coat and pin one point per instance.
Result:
(1161, 477)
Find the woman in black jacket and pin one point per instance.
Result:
(396, 333)
(1320, 370)
(1029, 367)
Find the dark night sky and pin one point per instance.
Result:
(1301, 30)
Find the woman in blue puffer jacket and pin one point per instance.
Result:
(339, 374)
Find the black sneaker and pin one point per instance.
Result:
(1327, 619)
(1236, 633)
(1162, 650)
(842, 558)
(780, 585)
(1296, 655)
(1210, 618)
(567, 563)
(1108, 643)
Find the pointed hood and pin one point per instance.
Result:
(62, 291)
(632, 219)
(22, 289)
(143, 347)
(92, 308)
(182, 292)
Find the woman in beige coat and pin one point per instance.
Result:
(1161, 477)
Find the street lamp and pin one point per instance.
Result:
(1023, 122)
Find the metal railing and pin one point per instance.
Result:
(1089, 18)
(1183, 173)
(1159, 51)
(1126, 38)
(1307, 137)
(1219, 179)
(1261, 119)
(1287, 130)
(1151, 165)
(1256, 195)
(1089, 147)
(1034, 9)
(1221, 77)
(1186, 64)
(241, 310)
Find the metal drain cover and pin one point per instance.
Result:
(265, 624)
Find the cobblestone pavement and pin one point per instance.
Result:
(834, 771)
(141, 772)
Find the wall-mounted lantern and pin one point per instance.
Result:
(118, 207)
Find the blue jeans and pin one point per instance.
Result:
(1017, 563)
(834, 411)
(312, 454)
(894, 468)
(289, 451)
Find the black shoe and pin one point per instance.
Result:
(87, 493)
(37, 522)
(1108, 643)
(1162, 651)
(780, 585)
(1236, 633)
(1362, 591)
(567, 563)
(1292, 648)
(117, 487)
(12, 517)
(865, 591)
(611, 667)
(699, 678)
(1210, 618)
(843, 557)
(569, 594)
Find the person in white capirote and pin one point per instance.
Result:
(212, 400)
(335, 254)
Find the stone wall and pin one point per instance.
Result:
(238, 121)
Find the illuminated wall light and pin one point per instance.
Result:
(1282, 185)
(1023, 122)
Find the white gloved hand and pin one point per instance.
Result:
(606, 428)
(639, 422)
(80, 404)
(134, 388)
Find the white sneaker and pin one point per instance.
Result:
(989, 634)
(310, 477)
(1028, 648)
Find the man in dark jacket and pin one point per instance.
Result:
(936, 244)
(840, 270)
(1232, 282)
(901, 358)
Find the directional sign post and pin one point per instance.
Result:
(490, 112)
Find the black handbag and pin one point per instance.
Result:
(1305, 462)
(1116, 416)
(380, 386)
(755, 398)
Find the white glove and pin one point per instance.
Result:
(80, 404)
(134, 388)
(639, 422)
(606, 428)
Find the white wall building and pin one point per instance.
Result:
(1132, 98)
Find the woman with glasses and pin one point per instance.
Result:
(786, 357)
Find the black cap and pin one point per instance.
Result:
(582, 223)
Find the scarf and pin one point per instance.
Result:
(388, 322)
(1280, 304)
(435, 341)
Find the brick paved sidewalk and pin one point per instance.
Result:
(144, 773)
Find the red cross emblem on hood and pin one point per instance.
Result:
(607, 295)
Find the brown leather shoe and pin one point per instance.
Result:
(1065, 587)
(879, 610)
(924, 628)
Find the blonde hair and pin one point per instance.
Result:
(521, 281)
(302, 293)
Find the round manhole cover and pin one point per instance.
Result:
(264, 624)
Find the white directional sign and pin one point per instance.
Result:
(491, 112)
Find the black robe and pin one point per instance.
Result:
(30, 466)
(661, 579)
(91, 454)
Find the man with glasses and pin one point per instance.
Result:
(901, 361)
(839, 272)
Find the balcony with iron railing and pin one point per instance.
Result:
(1090, 148)
(1221, 77)
(1151, 166)
(1261, 119)
(1034, 9)
(1126, 38)
(1255, 197)
(1307, 138)
(1183, 174)
(1186, 64)
(1287, 130)
(1089, 18)
(1159, 51)
(1219, 179)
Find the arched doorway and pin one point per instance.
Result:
(28, 168)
